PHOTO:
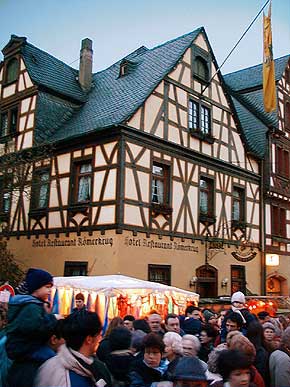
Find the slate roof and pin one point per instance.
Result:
(51, 113)
(114, 99)
(48, 71)
(246, 88)
(252, 77)
(253, 128)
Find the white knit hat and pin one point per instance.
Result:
(239, 297)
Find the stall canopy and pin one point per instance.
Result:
(118, 295)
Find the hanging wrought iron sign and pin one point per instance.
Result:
(244, 254)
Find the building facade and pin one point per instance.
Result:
(273, 143)
(145, 169)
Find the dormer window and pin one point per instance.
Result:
(201, 64)
(123, 69)
(200, 69)
(126, 67)
(12, 70)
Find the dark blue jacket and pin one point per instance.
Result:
(29, 326)
(191, 326)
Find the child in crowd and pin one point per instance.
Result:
(29, 325)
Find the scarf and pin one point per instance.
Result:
(237, 310)
(55, 372)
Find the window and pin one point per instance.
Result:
(238, 206)
(6, 194)
(193, 115)
(123, 69)
(205, 120)
(206, 197)
(40, 189)
(12, 70)
(160, 184)
(200, 69)
(75, 268)
(279, 221)
(282, 162)
(82, 187)
(8, 124)
(238, 279)
(199, 118)
(160, 273)
(287, 115)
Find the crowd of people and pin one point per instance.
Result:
(200, 348)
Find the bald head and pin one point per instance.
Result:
(154, 321)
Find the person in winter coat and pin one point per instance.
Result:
(271, 340)
(243, 345)
(30, 366)
(280, 362)
(234, 368)
(238, 306)
(75, 364)
(173, 352)
(189, 372)
(149, 370)
(206, 337)
(190, 323)
(28, 321)
(256, 336)
(121, 358)
(29, 327)
(80, 303)
(104, 347)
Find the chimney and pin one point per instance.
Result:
(86, 64)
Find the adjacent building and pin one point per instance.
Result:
(153, 168)
(269, 134)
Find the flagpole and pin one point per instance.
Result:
(232, 50)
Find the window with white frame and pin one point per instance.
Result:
(82, 185)
(40, 189)
(160, 184)
(238, 205)
(206, 197)
(199, 118)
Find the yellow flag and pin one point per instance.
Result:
(269, 87)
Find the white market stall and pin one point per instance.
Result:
(118, 295)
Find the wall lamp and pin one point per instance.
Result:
(224, 282)
(193, 282)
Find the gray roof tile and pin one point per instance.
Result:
(50, 72)
(246, 88)
(252, 77)
(114, 99)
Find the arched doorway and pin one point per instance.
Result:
(276, 285)
(206, 285)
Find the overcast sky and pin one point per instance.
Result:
(118, 27)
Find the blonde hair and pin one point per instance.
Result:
(173, 340)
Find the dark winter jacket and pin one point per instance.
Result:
(104, 349)
(28, 368)
(119, 364)
(144, 376)
(170, 372)
(191, 326)
(29, 326)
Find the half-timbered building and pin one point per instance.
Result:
(149, 174)
(269, 135)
